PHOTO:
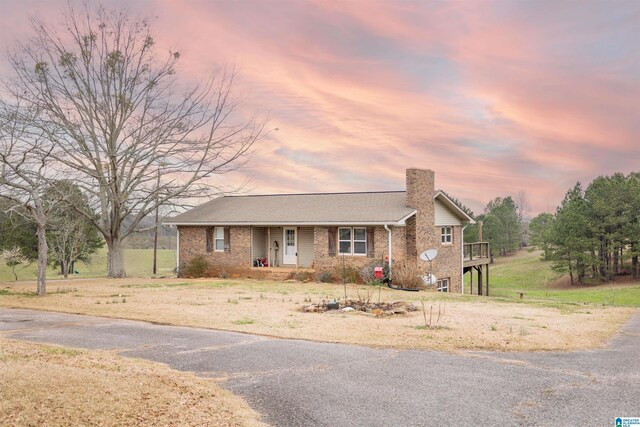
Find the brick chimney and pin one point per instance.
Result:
(420, 191)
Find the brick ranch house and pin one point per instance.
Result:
(316, 231)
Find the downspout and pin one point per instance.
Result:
(389, 239)
(462, 258)
(177, 251)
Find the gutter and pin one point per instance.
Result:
(399, 223)
(386, 227)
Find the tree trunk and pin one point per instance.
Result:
(570, 270)
(634, 266)
(115, 261)
(41, 288)
(603, 261)
(65, 269)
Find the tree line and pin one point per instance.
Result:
(70, 237)
(501, 224)
(593, 231)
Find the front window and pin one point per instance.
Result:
(352, 241)
(219, 232)
(443, 285)
(344, 241)
(447, 235)
(360, 241)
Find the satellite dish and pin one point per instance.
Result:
(429, 255)
(429, 280)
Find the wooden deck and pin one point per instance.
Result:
(476, 254)
(477, 257)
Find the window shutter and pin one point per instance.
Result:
(227, 240)
(370, 239)
(209, 239)
(333, 231)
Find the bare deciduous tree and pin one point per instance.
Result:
(24, 170)
(13, 257)
(523, 204)
(115, 112)
(71, 237)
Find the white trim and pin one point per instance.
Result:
(352, 241)
(453, 207)
(268, 246)
(440, 282)
(342, 240)
(403, 220)
(284, 246)
(215, 239)
(444, 234)
(386, 227)
(398, 223)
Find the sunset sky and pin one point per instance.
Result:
(494, 96)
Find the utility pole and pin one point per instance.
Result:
(155, 233)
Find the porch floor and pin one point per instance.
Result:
(281, 273)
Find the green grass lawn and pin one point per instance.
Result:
(138, 263)
(525, 272)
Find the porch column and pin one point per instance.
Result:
(269, 247)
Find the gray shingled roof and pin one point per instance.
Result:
(293, 209)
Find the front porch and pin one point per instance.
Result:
(288, 247)
(280, 273)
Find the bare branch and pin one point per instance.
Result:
(115, 113)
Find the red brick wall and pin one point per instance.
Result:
(193, 242)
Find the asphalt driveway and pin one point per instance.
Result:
(305, 383)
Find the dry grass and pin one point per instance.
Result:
(57, 386)
(273, 309)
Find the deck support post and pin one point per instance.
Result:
(487, 280)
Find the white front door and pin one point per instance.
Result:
(290, 253)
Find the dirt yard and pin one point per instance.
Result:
(276, 309)
(56, 386)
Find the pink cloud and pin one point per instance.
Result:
(495, 97)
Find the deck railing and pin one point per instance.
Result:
(476, 250)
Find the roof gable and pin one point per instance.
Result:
(453, 208)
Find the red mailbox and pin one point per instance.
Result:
(378, 272)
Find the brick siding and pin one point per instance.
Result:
(193, 242)
(419, 234)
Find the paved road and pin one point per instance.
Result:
(304, 383)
